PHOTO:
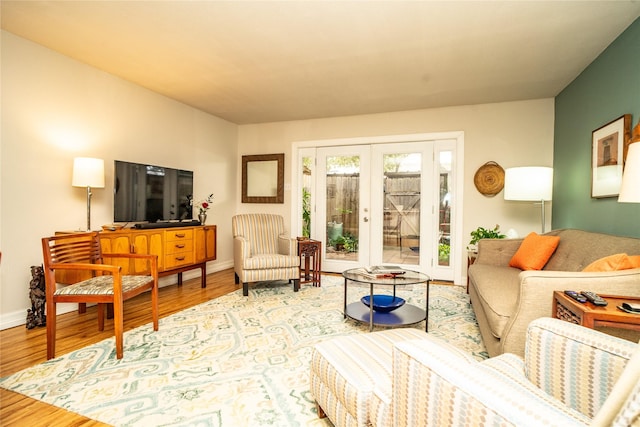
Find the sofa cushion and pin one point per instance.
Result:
(610, 263)
(498, 289)
(534, 252)
(578, 248)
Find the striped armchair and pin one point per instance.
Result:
(262, 251)
(570, 376)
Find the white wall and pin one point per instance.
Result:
(511, 133)
(54, 109)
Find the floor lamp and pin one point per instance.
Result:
(530, 184)
(88, 172)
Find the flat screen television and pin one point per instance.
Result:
(151, 193)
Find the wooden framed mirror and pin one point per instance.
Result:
(263, 178)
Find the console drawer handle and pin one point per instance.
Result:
(180, 235)
(180, 258)
(180, 246)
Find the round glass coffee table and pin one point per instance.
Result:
(386, 310)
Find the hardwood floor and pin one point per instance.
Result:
(21, 347)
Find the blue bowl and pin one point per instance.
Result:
(383, 303)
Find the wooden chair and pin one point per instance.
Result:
(80, 254)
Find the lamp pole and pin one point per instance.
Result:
(89, 208)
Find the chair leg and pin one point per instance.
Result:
(51, 329)
(237, 278)
(245, 289)
(321, 413)
(118, 325)
(296, 285)
(101, 317)
(154, 305)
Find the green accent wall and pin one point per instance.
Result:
(608, 88)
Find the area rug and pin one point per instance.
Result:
(232, 361)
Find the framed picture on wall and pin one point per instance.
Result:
(609, 145)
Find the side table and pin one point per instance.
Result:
(310, 251)
(592, 316)
(471, 258)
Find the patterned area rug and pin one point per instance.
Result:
(232, 361)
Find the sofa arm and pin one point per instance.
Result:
(435, 386)
(535, 298)
(597, 360)
(497, 252)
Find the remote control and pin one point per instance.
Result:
(594, 298)
(576, 296)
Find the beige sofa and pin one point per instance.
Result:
(506, 299)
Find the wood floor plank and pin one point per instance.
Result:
(21, 348)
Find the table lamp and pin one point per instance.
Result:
(530, 183)
(88, 172)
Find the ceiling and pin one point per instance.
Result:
(264, 61)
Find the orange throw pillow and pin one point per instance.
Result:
(610, 263)
(635, 261)
(534, 252)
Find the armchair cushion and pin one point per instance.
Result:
(268, 261)
(102, 285)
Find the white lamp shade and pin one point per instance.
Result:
(88, 172)
(531, 183)
(630, 188)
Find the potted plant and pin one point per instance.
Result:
(483, 233)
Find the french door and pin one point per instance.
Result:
(384, 203)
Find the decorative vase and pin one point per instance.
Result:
(202, 217)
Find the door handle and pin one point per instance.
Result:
(365, 219)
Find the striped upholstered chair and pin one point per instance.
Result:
(262, 251)
(569, 376)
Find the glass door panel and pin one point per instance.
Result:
(343, 206)
(343, 181)
(401, 203)
(446, 238)
(444, 210)
(307, 188)
(401, 208)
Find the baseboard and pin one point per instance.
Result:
(19, 317)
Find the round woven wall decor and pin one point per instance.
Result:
(489, 179)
